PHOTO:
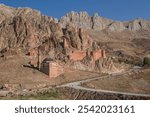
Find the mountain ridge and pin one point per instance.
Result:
(74, 36)
(81, 19)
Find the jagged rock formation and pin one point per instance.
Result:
(25, 27)
(67, 40)
(76, 38)
(83, 20)
(96, 22)
(79, 19)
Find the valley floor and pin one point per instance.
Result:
(134, 82)
(27, 83)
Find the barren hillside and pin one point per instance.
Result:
(76, 41)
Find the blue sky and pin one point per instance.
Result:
(114, 9)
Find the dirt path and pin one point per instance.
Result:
(77, 85)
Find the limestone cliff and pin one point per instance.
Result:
(96, 22)
(66, 40)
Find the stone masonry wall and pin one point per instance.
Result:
(55, 69)
(77, 55)
(98, 54)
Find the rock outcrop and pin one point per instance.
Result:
(76, 38)
(6, 12)
(83, 20)
(96, 22)
(66, 40)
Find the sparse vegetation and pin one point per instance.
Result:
(135, 82)
(52, 95)
(49, 95)
(77, 41)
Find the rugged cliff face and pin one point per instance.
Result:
(68, 40)
(83, 20)
(96, 22)
(27, 28)
(23, 26)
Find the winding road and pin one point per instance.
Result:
(77, 85)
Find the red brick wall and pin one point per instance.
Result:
(96, 54)
(77, 55)
(55, 69)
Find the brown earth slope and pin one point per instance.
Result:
(23, 30)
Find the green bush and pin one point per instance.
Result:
(147, 60)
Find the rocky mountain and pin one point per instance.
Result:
(76, 35)
(96, 22)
